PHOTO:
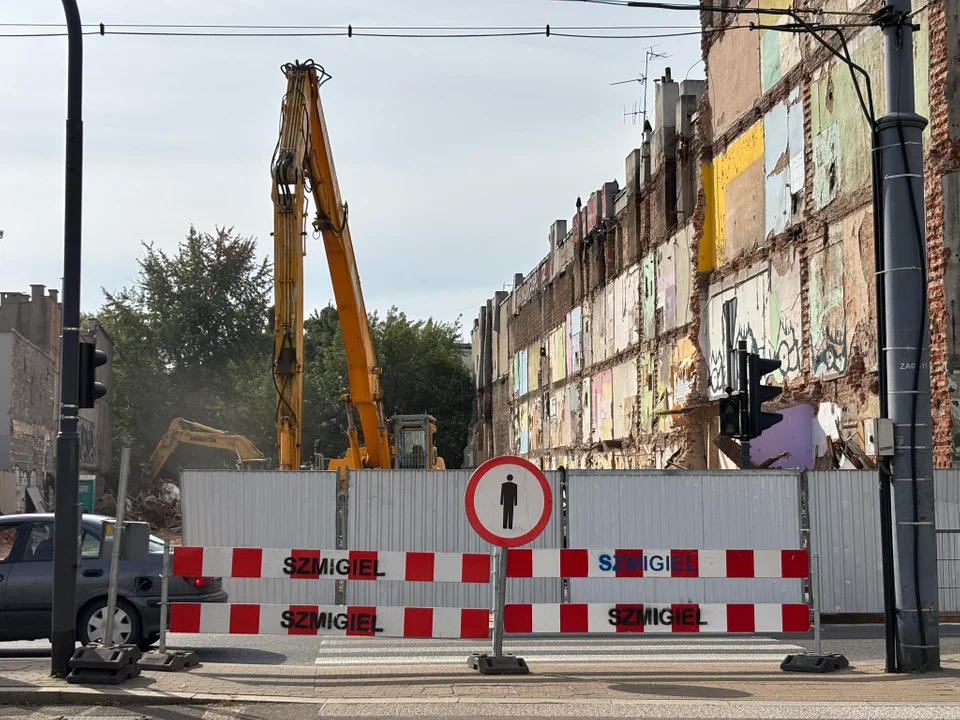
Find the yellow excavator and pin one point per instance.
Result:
(191, 433)
(303, 163)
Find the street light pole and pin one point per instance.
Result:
(66, 520)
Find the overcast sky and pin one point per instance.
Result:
(455, 155)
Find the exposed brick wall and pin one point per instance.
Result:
(33, 424)
(942, 159)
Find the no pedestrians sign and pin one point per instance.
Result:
(508, 501)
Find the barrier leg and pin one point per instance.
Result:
(107, 663)
(496, 663)
(815, 662)
(163, 660)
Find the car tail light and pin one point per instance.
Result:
(199, 582)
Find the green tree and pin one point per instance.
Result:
(422, 373)
(191, 340)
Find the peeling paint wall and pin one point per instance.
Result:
(736, 214)
(625, 399)
(786, 315)
(783, 163)
(649, 285)
(626, 294)
(828, 327)
(601, 406)
(733, 89)
(779, 51)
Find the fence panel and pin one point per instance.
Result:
(422, 510)
(845, 537)
(684, 509)
(947, 495)
(242, 508)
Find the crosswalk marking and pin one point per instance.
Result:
(363, 651)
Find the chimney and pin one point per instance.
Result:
(37, 292)
(517, 280)
(645, 153)
(667, 94)
(54, 295)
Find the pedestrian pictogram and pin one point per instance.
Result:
(508, 501)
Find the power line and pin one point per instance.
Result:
(722, 9)
(424, 28)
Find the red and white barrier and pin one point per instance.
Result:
(639, 618)
(250, 619)
(635, 563)
(331, 564)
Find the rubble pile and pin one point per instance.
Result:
(157, 504)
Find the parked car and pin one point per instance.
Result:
(26, 584)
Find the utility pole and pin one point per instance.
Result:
(66, 520)
(744, 405)
(906, 353)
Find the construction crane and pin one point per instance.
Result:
(191, 433)
(302, 163)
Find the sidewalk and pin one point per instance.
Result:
(27, 682)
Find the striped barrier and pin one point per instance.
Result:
(625, 563)
(600, 618)
(250, 619)
(475, 567)
(296, 564)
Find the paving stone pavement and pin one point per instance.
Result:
(27, 681)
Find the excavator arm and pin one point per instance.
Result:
(191, 433)
(304, 162)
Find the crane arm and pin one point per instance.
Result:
(332, 222)
(191, 433)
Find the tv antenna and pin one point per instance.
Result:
(642, 79)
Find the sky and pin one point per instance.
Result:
(455, 155)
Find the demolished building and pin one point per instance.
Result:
(751, 197)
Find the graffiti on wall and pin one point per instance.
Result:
(786, 315)
(828, 326)
(751, 325)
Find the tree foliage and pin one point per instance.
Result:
(422, 373)
(193, 339)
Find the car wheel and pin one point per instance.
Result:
(93, 623)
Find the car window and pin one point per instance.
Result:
(8, 537)
(91, 545)
(40, 543)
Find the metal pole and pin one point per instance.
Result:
(744, 416)
(816, 604)
(115, 552)
(883, 465)
(501, 591)
(63, 631)
(907, 350)
(164, 595)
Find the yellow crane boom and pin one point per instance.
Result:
(303, 162)
(191, 433)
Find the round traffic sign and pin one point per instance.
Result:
(508, 501)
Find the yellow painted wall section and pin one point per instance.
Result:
(708, 241)
(739, 155)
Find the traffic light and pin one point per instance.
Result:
(90, 390)
(730, 417)
(758, 394)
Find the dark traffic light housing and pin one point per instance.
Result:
(730, 417)
(90, 390)
(759, 394)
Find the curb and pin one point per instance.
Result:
(78, 696)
